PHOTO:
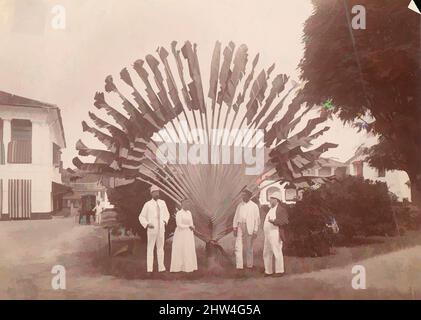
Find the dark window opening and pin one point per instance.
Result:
(290, 192)
(56, 155)
(325, 171)
(358, 168)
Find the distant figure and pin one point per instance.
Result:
(98, 209)
(245, 224)
(273, 228)
(154, 217)
(82, 217)
(183, 255)
(73, 210)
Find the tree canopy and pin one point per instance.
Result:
(373, 71)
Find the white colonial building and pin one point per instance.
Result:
(397, 181)
(325, 168)
(31, 139)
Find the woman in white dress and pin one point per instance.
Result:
(183, 255)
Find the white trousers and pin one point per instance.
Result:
(98, 218)
(243, 243)
(155, 239)
(273, 248)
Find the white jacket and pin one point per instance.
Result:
(149, 215)
(247, 213)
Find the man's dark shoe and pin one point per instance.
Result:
(279, 275)
(240, 273)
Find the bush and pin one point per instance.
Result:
(408, 216)
(308, 231)
(360, 207)
(307, 234)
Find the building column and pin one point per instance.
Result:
(7, 135)
(4, 196)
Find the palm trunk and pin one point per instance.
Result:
(217, 260)
(415, 189)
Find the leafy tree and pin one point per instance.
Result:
(374, 72)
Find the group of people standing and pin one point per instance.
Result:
(85, 216)
(246, 225)
(155, 215)
(154, 218)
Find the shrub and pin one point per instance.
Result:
(360, 207)
(308, 231)
(408, 216)
(307, 234)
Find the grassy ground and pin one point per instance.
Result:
(29, 249)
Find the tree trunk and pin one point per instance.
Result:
(217, 261)
(415, 189)
(109, 242)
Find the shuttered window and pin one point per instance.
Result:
(19, 149)
(56, 155)
(2, 149)
(19, 199)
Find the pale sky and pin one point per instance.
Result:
(66, 67)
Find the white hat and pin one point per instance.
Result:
(276, 195)
(154, 188)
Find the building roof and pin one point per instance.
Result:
(359, 154)
(18, 101)
(72, 196)
(14, 100)
(58, 188)
(328, 162)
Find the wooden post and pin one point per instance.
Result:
(109, 242)
(396, 222)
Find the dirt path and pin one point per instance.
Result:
(29, 249)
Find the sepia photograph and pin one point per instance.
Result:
(228, 150)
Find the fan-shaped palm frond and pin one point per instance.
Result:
(168, 114)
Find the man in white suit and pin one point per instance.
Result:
(273, 229)
(154, 217)
(245, 224)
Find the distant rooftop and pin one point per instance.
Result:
(330, 162)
